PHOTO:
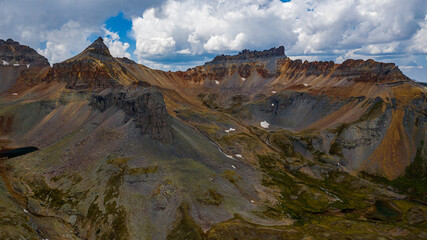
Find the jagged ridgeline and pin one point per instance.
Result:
(250, 146)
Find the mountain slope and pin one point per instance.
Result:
(243, 147)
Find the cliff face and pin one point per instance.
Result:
(145, 106)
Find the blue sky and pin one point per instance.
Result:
(178, 34)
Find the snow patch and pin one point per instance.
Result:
(239, 156)
(243, 79)
(217, 82)
(264, 124)
(230, 130)
(273, 92)
(233, 166)
(5, 63)
(16, 64)
(28, 65)
(14, 94)
(231, 157)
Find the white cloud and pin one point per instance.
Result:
(193, 29)
(419, 41)
(112, 40)
(200, 27)
(410, 67)
(314, 27)
(65, 42)
(31, 21)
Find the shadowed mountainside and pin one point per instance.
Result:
(252, 146)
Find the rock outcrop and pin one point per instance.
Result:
(246, 55)
(144, 105)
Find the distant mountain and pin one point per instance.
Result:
(251, 146)
(16, 58)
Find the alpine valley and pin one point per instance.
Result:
(251, 146)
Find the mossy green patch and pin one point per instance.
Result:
(303, 198)
(186, 228)
(54, 197)
(143, 170)
(211, 197)
(238, 228)
(231, 176)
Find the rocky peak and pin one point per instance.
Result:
(13, 53)
(9, 42)
(93, 68)
(98, 47)
(250, 55)
(97, 50)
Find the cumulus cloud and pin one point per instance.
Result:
(340, 28)
(35, 22)
(117, 48)
(65, 42)
(169, 32)
(419, 41)
(198, 27)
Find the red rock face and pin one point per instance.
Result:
(298, 68)
(84, 74)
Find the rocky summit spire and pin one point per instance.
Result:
(98, 48)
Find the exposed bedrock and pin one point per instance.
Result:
(145, 106)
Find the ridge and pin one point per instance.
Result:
(250, 55)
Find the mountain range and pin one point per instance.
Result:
(250, 146)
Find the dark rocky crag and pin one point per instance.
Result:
(246, 55)
(144, 105)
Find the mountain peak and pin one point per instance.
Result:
(98, 48)
(8, 42)
(99, 40)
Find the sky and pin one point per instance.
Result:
(179, 34)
